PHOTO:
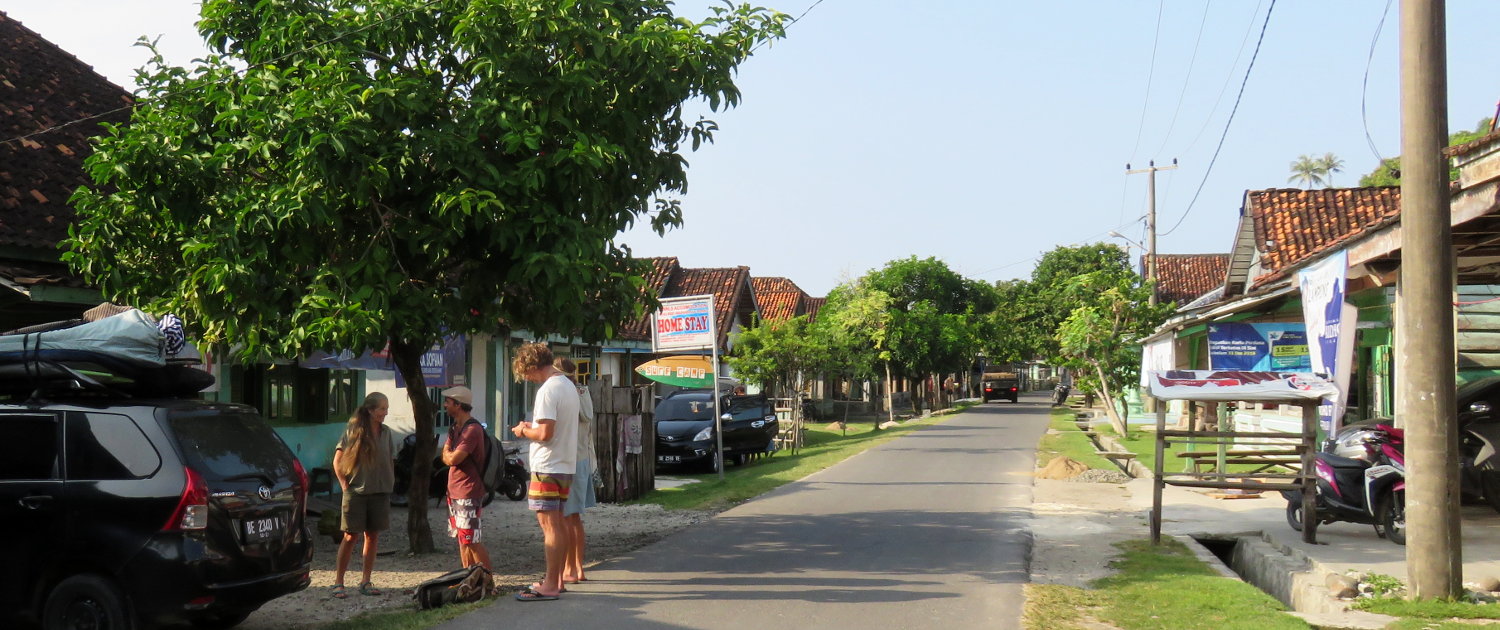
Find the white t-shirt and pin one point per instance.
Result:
(557, 400)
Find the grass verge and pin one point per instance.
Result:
(1067, 441)
(1160, 588)
(1429, 611)
(822, 448)
(406, 618)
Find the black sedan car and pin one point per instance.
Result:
(685, 428)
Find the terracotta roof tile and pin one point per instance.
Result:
(1181, 278)
(662, 269)
(812, 305)
(779, 299)
(1293, 226)
(42, 86)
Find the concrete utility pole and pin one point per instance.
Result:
(1150, 171)
(1425, 360)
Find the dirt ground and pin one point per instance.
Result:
(510, 533)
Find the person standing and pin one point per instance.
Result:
(366, 472)
(463, 453)
(553, 432)
(581, 496)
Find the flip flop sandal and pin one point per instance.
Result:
(538, 585)
(529, 595)
(368, 589)
(338, 592)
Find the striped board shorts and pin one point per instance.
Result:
(548, 491)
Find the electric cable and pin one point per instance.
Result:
(1364, 88)
(1192, 62)
(1150, 76)
(1228, 77)
(1208, 171)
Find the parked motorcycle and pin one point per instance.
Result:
(1370, 489)
(512, 483)
(1478, 437)
(1060, 395)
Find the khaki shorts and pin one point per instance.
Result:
(366, 512)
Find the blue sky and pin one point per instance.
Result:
(985, 133)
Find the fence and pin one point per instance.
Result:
(619, 414)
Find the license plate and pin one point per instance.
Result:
(669, 459)
(262, 529)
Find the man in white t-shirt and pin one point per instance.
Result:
(553, 432)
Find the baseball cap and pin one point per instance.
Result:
(460, 394)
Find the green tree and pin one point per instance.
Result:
(1388, 173)
(1309, 171)
(935, 315)
(1330, 164)
(362, 173)
(1048, 302)
(856, 323)
(773, 354)
(1099, 339)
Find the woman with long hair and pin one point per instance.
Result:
(581, 497)
(366, 471)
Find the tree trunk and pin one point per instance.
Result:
(1109, 404)
(408, 360)
(890, 400)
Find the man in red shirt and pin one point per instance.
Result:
(464, 455)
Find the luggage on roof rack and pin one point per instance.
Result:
(123, 354)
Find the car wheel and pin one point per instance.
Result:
(86, 602)
(714, 462)
(226, 619)
(1393, 515)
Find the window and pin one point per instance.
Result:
(220, 445)
(287, 394)
(29, 450)
(585, 370)
(103, 446)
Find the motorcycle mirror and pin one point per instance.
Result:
(1479, 407)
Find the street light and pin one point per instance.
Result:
(1127, 240)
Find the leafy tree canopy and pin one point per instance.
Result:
(1389, 171)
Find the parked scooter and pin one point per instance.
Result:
(512, 483)
(1060, 394)
(1478, 437)
(1369, 490)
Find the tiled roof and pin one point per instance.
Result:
(812, 305)
(42, 86)
(1467, 147)
(1181, 278)
(779, 299)
(657, 278)
(1292, 226)
(728, 286)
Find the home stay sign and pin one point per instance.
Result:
(685, 323)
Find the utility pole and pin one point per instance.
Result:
(1150, 171)
(1425, 360)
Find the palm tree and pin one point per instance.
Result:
(1330, 164)
(1307, 170)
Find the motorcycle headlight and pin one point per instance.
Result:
(705, 434)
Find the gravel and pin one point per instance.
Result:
(1101, 475)
(510, 534)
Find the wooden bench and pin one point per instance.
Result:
(1115, 454)
(1262, 460)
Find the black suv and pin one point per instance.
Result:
(685, 428)
(124, 513)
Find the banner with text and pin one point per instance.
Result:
(684, 323)
(1322, 286)
(1259, 347)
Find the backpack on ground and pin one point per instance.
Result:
(494, 461)
(469, 584)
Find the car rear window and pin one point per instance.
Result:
(702, 408)
(221, 444)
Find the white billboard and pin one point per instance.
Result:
(684, 323)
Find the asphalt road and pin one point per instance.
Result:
(927, 531)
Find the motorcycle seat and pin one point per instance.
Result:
(1343, 462)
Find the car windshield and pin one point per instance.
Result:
(221, 444)
(702, 408)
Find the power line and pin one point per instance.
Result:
(1229, 122)
(248, 68)
(1150, 76)
(1229, 76)
(1364, 88)
(1192, 61)
(1038, 257)
(794, 21)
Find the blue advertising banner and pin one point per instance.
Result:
(1258, 347)
(1322, 286)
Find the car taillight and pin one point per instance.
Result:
(303, 483)
(192, 508)
(1012, 389)
(988, 389)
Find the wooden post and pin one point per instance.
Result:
(1192, 441)
(1309, 471)
(1219, 425)
(1156, 481)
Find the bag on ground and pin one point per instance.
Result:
(469, 584)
